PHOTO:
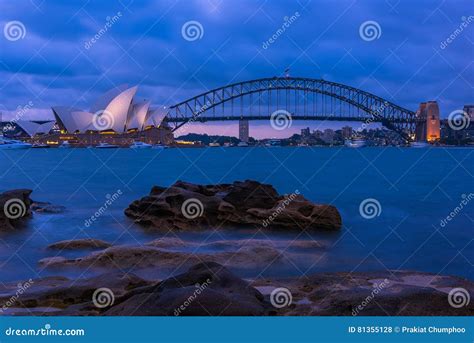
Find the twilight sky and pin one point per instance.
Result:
(54, 61)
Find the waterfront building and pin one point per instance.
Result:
(244, 130)
(469, 110)
(328, 136)
(305, 132)
(346, 132)
(116, 118)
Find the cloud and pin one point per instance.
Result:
(406, 65)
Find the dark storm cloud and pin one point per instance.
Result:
(406, 65)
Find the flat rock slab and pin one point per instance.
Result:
(78, 244)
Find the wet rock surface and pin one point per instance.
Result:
(251, 255)
(387, 293)
(248, 203)
(208, 288)
(14, 208)
(78, 244)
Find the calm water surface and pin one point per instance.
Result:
(415, 187)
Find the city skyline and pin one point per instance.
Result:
(174, 52)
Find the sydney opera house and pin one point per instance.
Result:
(117, 117)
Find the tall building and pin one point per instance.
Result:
(428, 126)
(346, 132)
(469, 110)
(328, 136)
(244, 130)
(305, 132)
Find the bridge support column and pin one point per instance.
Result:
(428, 123)
(244, 130)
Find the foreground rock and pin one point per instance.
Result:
(211, 289)
(77, 244)
(61, 296)
(387, 293)
(249, 203)
(14, 208)
(207, 289)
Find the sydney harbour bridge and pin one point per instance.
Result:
(298, 98)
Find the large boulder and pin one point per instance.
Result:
(248, 203)
(206, 289)
(14, 208)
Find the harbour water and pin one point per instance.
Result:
(416, 189)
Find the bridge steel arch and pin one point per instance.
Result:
(375, 108)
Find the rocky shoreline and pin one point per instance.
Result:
(211, 286)
(210, 289)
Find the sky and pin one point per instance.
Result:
(52, 59)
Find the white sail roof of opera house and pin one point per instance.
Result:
(156, 116)
(116, 110)
(138, 115)
(31, 128)
(106, 98)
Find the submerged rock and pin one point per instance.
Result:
(46, 207)
(14, 208)
(252, 255)
(77, 244)
(249, 203)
